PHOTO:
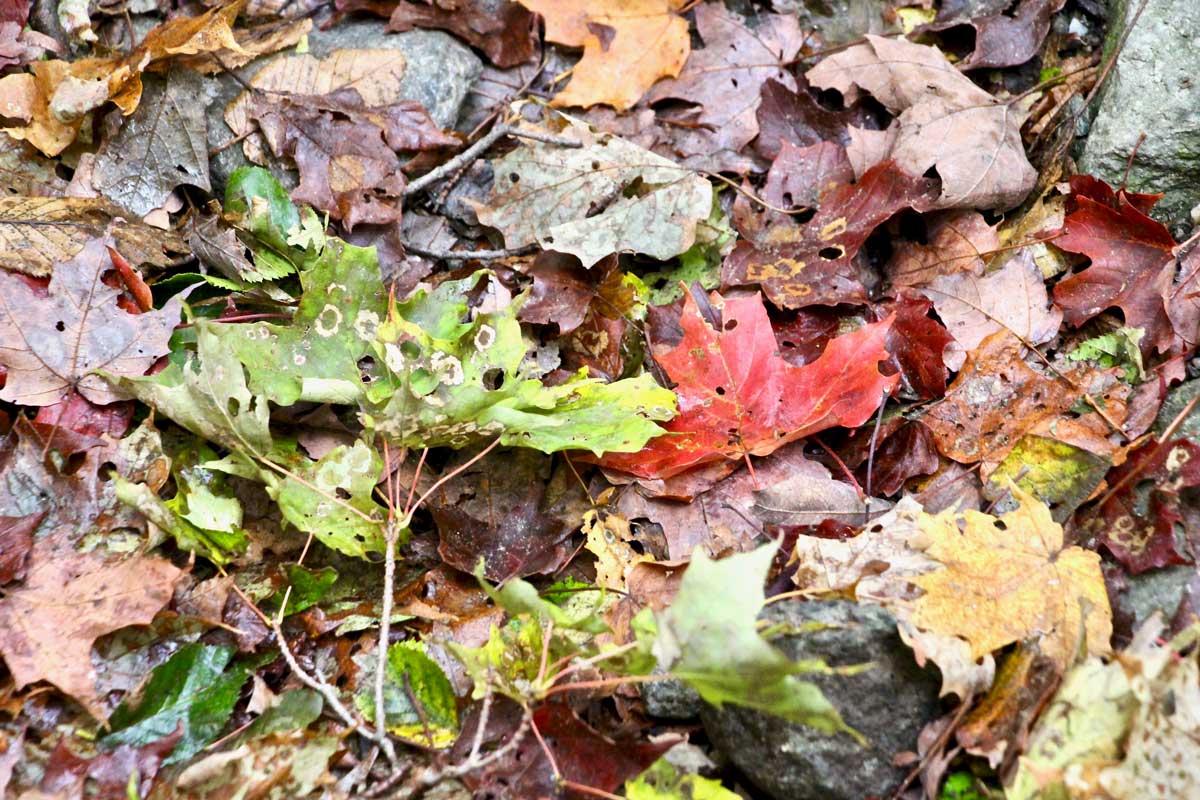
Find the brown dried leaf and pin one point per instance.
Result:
(956, 241)
(944, 121)
(68, 600)
(54, 345)
(725, 79)
(627, 46)
(505, 31)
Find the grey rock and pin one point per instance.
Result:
(671, 699)
(1153, 88)
(439, 73)
(1176, 400)
(888, 703)
(1156, 590)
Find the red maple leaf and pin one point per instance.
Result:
(1132, 263)
(738, 396)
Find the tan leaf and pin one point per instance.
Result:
(608, 538)
(956, 241)
(48, 624)
(1013, 298)
(944, 121)
(375, 74)
(54, 345)
(38, 232)
(261, 40)
(627, 46)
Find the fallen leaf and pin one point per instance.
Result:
(16, 540)
(737, 397)
(943, 121)
(110, 775)
(814, 263)
(724, 79)
(1132, 260)
(75, 332)
(626, 47)
(810, 496)
(374, 74)
(1058, 474)
(253, 42)
(1008, 39)
(918, 345)
(38, 232)
(161, 146)
(513, 511)
(797, 179)
(574, 200)
(1013, 299)
(906, 453)
(68, 600)
(956, 241)
(794, 116)
(346, 151)
(419, 705)
(506, 31)
(1144, 522)
(997, 398)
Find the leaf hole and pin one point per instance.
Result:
(721, 390)
(60, 326)
(731, 324)
(830, 253)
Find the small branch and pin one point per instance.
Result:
(467, 255)
(318, 685)
(474, 151)
(391, 533)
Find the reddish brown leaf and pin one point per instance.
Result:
(907, 453)
(68, 600)
(504, 30)
(955, 242)
(107, 775)
(737, 397)
(803, 334)
(918, 346)
(346, 151)
(1132, 263)
(813, 264)
(1007, 40)
(77, 413)
(797, 179)
(797, 118)
(511, 511)
(1142, 523)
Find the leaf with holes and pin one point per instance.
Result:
(448, 376)
(814, 263)
(606, 196)
(54, 345)
(738, 397)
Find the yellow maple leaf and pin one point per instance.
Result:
(1010, 579)
(627, 46)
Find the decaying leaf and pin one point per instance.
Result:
(943, 122)
(737, 397)
(814, 263)
(161, 146)
(607, 196)
(68, 600)
(627, 46)
(506, 31)
(54, 345)
(38, 232)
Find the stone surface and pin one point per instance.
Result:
(1156, 590)
(888, 703)
(440, 71)
(1152, 89)
(671, 699)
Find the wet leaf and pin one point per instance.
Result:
(506, 32)
(419, 702)
(193, 693)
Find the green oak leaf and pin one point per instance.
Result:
(412, 678)
(448, 378)
(709, 638)
(194, 692)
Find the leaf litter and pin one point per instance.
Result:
(404, 457)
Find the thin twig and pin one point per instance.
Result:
(467, 255)
(474, 151)
(391, 533)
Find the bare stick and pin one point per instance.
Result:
(474, 151)
(385, 624)
(467, 255)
